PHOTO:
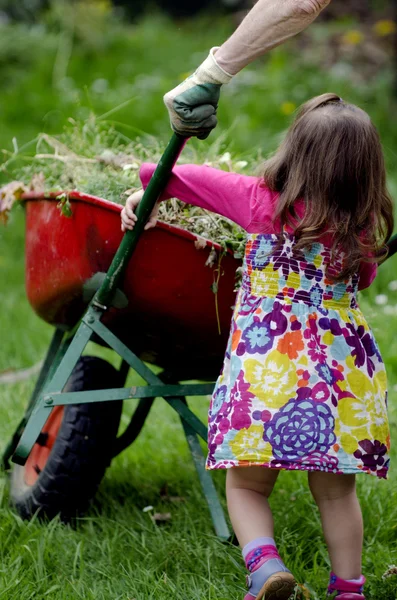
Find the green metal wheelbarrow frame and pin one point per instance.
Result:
(66, 349)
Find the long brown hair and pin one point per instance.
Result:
(332, 158)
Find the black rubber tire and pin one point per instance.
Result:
(81, 453)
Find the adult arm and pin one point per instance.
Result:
(267, 25)
(192, 105)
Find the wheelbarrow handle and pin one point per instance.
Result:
(128, 244)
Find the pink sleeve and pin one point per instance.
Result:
(229, 194)
(367, 274)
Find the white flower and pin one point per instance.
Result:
(381, 299)
(226, 158)
(393, 286)
(241, 164)
(147, 509)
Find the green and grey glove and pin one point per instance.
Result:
(192, 105)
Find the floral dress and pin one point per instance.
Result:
(303, 385)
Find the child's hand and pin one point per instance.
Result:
(128, 216)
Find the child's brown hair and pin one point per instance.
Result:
(332, 158)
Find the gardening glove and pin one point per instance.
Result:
(192, 105)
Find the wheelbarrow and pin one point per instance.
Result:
(157, 309)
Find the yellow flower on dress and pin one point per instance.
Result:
(265, 282)
(293, 281)
(273, 379)
(248, 444)
(364, 416)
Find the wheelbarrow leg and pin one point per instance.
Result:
(207, 484)
(42, 408)
(191, 424)
(44, 374)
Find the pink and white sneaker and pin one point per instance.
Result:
(348, 596)
(340, 589)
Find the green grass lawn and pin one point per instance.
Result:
(116, 552)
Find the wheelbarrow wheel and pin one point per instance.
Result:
(69, 460)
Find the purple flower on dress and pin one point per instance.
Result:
(316, 348)
(330, 376)
(354, 340)
(240, 391)
(214, 440)
(257, 338)
(303, 393)
(262, 415)
(320, 392)
(276, 321)
(372, 454)
(285, 259)
(241, 417)
(324, 462)
(314, 462)
(249, 303)
(299, 429)
(310, 270)
(364, 347)
(241, 401)
(331, 325)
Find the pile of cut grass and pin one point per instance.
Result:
(101, 161)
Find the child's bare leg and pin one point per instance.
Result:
(247, 491)
(342, 522)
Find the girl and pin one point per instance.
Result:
(303, 385)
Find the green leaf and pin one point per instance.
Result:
(215, 287)
(64, 205)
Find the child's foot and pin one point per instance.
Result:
(269, 578)
(348, 596)
(345, 589)
(278, 586)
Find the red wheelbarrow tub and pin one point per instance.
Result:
(171, 316)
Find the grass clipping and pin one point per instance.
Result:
(103, 162)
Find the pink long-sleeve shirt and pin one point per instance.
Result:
(241, 198)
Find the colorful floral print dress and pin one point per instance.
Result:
(303, 386)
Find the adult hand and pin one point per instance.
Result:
(192, 105)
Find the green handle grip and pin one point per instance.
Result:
(128, 244)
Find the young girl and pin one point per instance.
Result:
(303, 386)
